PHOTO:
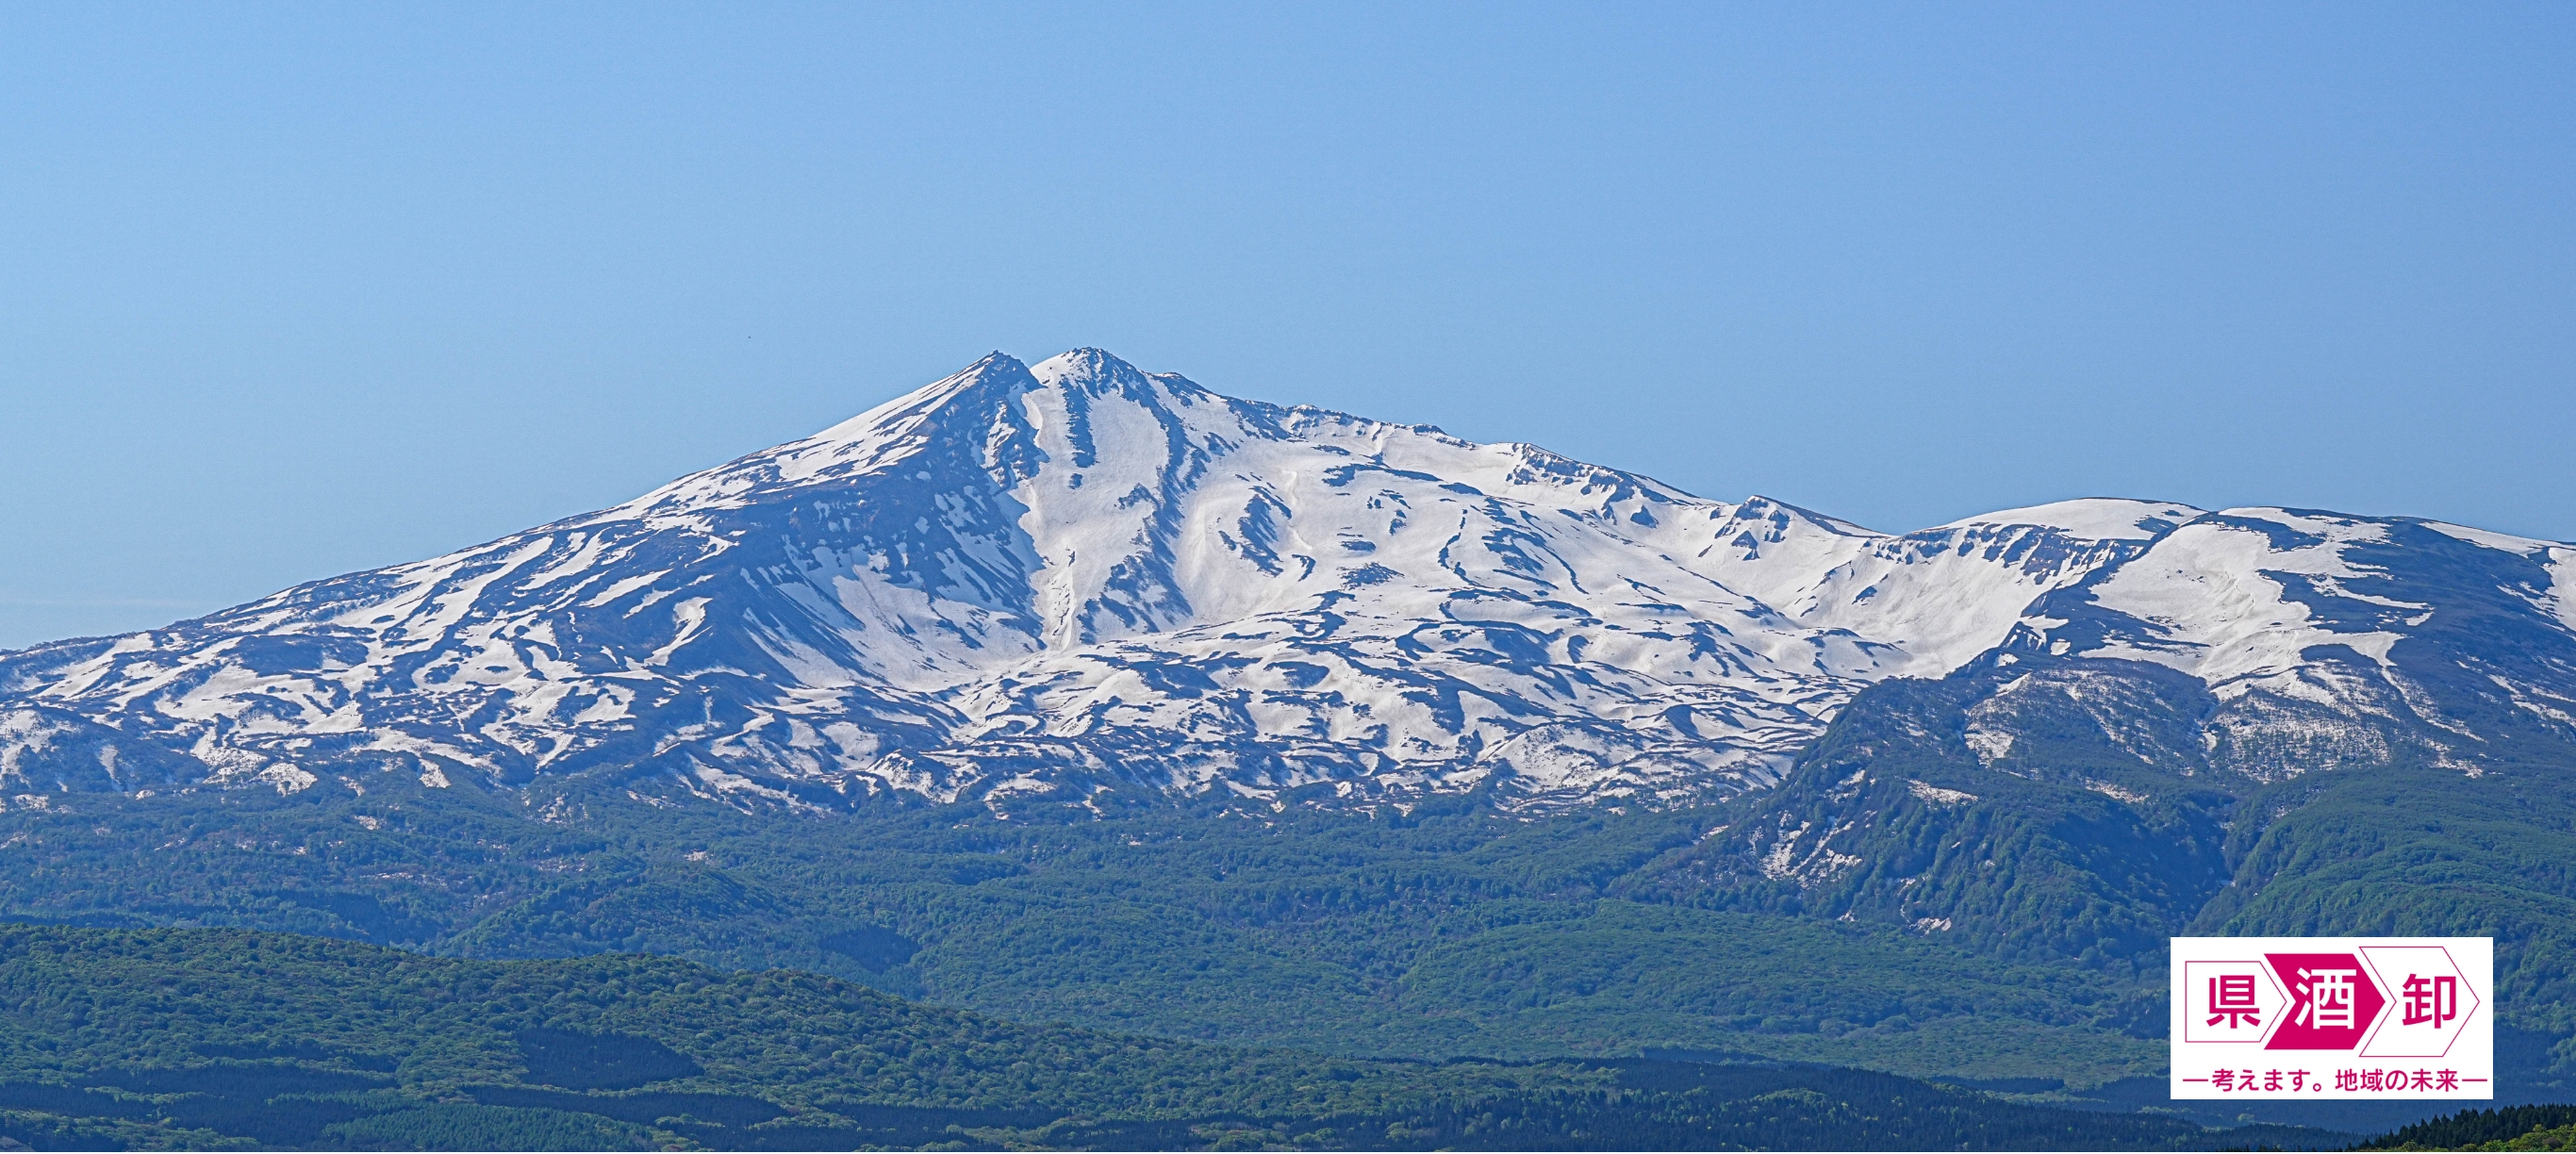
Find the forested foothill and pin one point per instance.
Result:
(232, 1039)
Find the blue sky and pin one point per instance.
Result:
(287, 291)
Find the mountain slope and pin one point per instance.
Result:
(2270, 721)
(2332, 640)
(1067, 691)
(1076, 575)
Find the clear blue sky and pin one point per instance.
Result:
(291, 290)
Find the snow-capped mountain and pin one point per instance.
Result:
(2137, 756)
(2329, 640)
(1076, 575)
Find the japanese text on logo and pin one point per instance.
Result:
(2320, 1018)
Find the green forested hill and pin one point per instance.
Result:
(1443, 932)
(1948, 915)
(1450, 930)
(221, 1038)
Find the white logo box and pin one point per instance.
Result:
(2323, 1019)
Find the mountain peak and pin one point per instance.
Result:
(1098, 373)
(1077, 574)
(954, 411)
(1085, 365)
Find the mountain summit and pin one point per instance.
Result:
(1077, 576)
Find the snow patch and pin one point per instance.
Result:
(2096, 518)
(1937, 795)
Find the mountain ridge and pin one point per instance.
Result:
(1070, 691)
(1076, 575)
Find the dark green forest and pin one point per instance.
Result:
(1453, 930)
(1900, 903)
(221, 1039)
(1426, 936)
(2508, 1128)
